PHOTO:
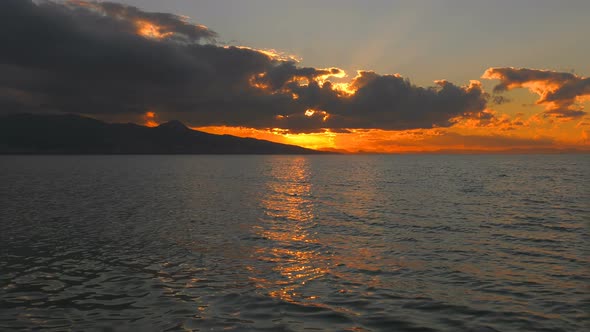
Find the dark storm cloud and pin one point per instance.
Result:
(111, 61)
(79, 60)
(558, 92)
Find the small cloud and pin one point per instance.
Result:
(499, 100)
(490, 119)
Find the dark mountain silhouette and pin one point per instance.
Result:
(72, 134)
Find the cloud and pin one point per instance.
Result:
(151, 25)
(559, 92)
(373, 101)
(491, 120)
(499, 100)
(115, 61)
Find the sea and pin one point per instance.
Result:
(295, 243)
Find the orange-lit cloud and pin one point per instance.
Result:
(490, 120)
(150, 30)
(270, 53)
(368, 101)
(150, 119)
(150, 25)
(561, 93)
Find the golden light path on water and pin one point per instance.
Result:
(297, 254)
(289, 216)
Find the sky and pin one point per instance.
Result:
(425, 40)
(351, 76)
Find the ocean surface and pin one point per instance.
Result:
(294, 243)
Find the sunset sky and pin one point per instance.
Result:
(354, 76)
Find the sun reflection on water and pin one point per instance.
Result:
(293, 258)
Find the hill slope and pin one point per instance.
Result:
(71, 134)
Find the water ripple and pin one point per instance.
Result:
(267, 243)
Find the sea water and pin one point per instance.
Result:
(291, 243)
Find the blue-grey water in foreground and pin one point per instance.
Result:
(354, 243)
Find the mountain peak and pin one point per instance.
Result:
(174, 125)
(58, 134)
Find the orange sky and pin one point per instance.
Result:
(536, 134)
(518, 125)
(524, 122)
